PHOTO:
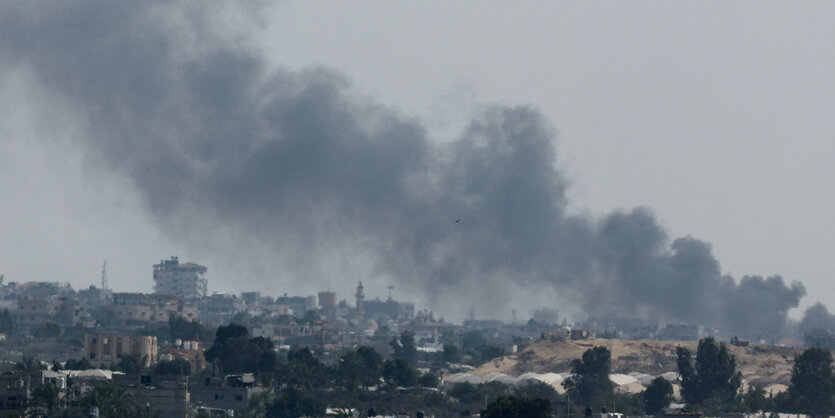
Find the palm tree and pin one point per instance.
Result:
(145, 412)
(112, 400)
(29, 364)
(47, 395)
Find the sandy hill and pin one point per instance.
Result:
(759, 364)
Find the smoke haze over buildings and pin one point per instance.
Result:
(229, 153)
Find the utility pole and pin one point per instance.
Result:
(568, 405)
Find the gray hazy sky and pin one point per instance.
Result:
(715, 115)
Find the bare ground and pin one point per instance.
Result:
(760, 364)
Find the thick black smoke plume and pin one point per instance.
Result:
(816, 318)
(213, 139)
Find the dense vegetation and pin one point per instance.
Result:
(711, 384)
(400, 379)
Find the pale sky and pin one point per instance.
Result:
(715, 115)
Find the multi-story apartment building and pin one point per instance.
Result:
(104, 349)
(16, 388)
(141, 309)
(220, 307)
(186, 281)
(64, 310)
(32, 310)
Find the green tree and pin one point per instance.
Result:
(349, 371)
(372, 361)
(509, 406)
(404, 347)
(451, 353)
(258, 404)
(658, 395)
(429, 380)
(46, 395)
(590, 383)
(142, 411)
(29, 364)
(225, 333)
(112, 400)
(755, 399)
(81, 364)
(293, 403)
(537, 389)
(359, 368)
(176, 367)
(812, 385)
(463, 392)
(264, 354)
(235, 352)
(131, 363)
(397, 372)
(183, 329)
(7, 322)
(489, 352)
(304, 370)
(714, 376)
(472, 339)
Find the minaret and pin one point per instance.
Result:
(360, 297)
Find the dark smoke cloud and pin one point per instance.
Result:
(212, 138)
(816, 318)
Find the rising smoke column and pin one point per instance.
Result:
(210, 136)
(816, 318)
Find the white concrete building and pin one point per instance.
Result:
(185, 281)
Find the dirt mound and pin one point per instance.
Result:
(760, 364)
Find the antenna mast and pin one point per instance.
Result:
(104, 284)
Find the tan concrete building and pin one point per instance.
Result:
(154, 313)
(191, 351)
(104, 349)
(32, 310)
